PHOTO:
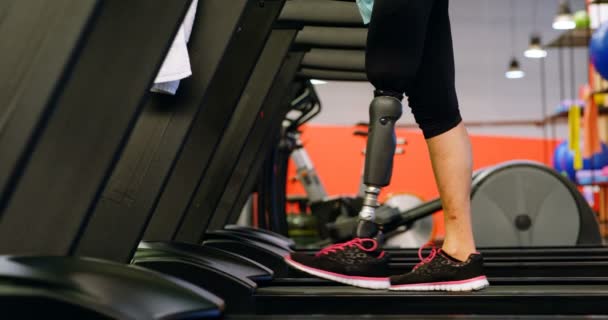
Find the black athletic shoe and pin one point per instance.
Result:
(359, 262)
(440, 272)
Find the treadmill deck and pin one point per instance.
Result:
(495, 300)
(412, 317)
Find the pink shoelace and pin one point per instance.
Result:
(428, 258)
(355, 242)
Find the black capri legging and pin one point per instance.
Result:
(409, 51)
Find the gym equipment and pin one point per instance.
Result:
(320, 12)
(527, 204)
(302, 228)
(158, 170)
(543, 208)
(347, 60)
(263, 95)
(205, 172)
(67, 133)
(598, 50)
(322, 74)
(563, 160)
(80, 288)
(273, 176)
(332, 37)
(71, 107)
(413, 235)
(323, 297)
(591, 177)
(545, 299)
(331, 298)
(308, 296)
(574, 135)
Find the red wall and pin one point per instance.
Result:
(337, 155)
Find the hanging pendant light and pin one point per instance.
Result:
(535, 50)
(514, 71)
(564, 19)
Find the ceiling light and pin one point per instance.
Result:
(535, 50)
(514, 71)
(564, 19)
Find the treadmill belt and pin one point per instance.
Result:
(495, 300)
(543, 280)
(505, 252)
(347, 291)
(407, 317)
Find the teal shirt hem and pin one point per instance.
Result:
(365, 9)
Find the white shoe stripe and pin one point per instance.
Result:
(473, 285)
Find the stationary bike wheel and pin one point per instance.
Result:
(419, 233)
(522, 204)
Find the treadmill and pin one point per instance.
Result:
(77, 85)
(240, 267)
(173, 241)
(337, 54)
(175, 134)
(171, 141)
(320, 38)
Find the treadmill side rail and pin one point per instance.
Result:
(80, 288)
(225, 274)
(287, 241)
(254, 234)
(267, 254)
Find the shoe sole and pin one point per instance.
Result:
(361, 282)
(473, 284)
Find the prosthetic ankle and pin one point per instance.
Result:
(384, 112)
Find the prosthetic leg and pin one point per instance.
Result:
(392, 65)
(384, 112)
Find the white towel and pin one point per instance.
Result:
(177, 62)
